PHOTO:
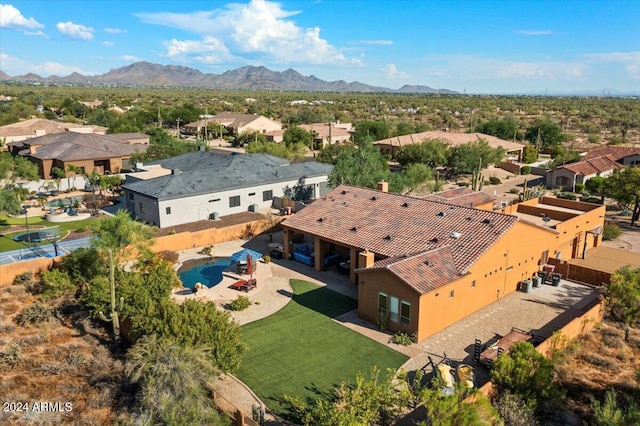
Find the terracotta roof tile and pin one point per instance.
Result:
(617, 152)
(451, 138)
(462, 196)
(592, 166)
(393, 225)
(424, 271)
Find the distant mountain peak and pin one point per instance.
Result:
(145, 73)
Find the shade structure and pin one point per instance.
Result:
(241, 256)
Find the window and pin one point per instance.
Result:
(131, 195)
(393, 308)
(168, 210)
(267, 195)
(234, 201)
(451, 293)
(142, 207)
(382, 305)
(473, 283)
(252, 193)
(405, 313)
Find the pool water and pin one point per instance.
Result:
(207, 272)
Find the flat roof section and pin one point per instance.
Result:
(559, 209)
(536, 220)
(608, 259)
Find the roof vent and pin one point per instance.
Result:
(433, 240)
(387, 238)
(486, 221)
(468, 217)
(456, 235)
(428, 262)
(405, 205)
(320, 220)
(373, 198)
(354, 229)
(441, 214)
(452, 207)
(343, 192)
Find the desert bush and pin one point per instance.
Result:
(600, 361)
(34, 314)
(240, 304)
(169, 256)
(514, 190)
(33, 340)
(10, 356)
(463, 184)
(525, 170)
(567, 195)
(513, 410)
(266, 258)
(401, 338)
(591, 199)
(23, 279)
(494, 180)
(56, 283)
(611, 413)
(611, 231)
(579, 188)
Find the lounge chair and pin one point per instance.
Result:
(244, 285)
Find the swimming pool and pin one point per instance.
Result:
(69, 201)
(205, 271)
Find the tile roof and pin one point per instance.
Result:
(393, 225)
(462, 196)
(424, 271)
(322, 130)
(451, 138)
(617, 152)
(592, 166)
(29, 127)
(228, 119)
(72, 146)
(209, 172)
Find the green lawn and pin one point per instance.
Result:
(300, 351)
(7, 243)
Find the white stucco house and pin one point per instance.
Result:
(207, 185)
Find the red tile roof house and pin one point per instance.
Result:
(422, 265)
(568, 175)
(622, 155)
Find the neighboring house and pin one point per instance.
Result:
(93, 104)
(206, 185)
(464, 196)
(422, 265)
(622, 155)
(568, 175)
(235, 124)
(36, 127)
(391, 146)
(89, 152)
(328, 133)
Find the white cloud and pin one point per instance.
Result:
(114, 30)
(75, 31)
(37, 33)
(535, 32)
(247, 32)
(392, 72)
(107, 43)
(10, 17)
(129, 58)
(16, 66)
(378, 42)
(630, 60)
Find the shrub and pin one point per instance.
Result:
(463, 184)
(513, 410)
(514, 190)
(10, 356)
(56, 283)
(593, 138)
(529, 154)
(401, 338)
(525, 170)
(611, 232)
(567, 196)
(34, 314)
(266, 258)
(579, 188)
(169, 256)
(591, 199)
(494, 180)
(25, 279)
(240, 304)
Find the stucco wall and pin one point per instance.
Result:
(8, 272)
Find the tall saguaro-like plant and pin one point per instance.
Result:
(113, 316)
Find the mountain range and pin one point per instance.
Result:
(247, 78)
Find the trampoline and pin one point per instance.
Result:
(35, 236)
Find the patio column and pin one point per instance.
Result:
(319, 253)
(353, 258)
(287, 243)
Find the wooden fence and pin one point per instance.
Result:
(238, 416)
(580, 274)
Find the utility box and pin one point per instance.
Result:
(526, 286)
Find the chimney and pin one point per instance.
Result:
(383, 186)
(365, 259)
(32, 149)
(175, 171)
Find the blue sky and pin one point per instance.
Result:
(473, 46)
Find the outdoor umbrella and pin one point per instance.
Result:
(249, 265)
(241, 256)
